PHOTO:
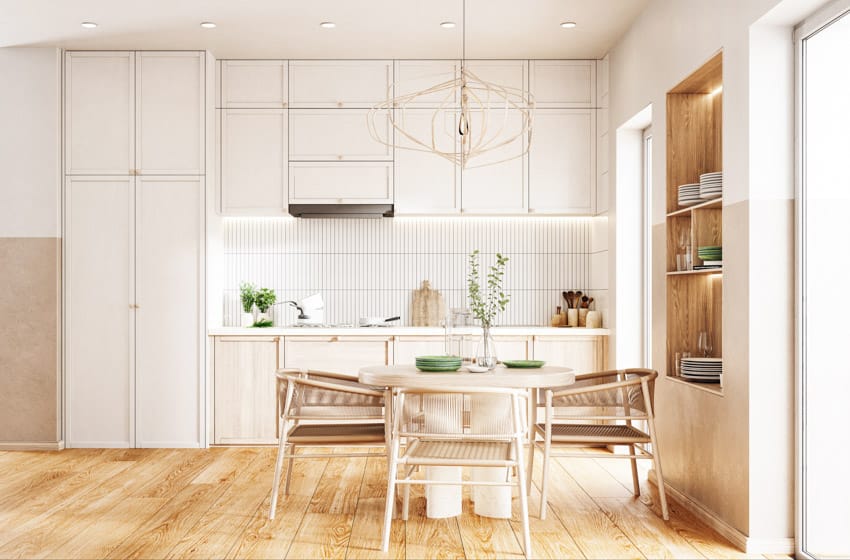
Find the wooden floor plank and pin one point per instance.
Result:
(214, 503)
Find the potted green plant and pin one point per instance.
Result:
(263, 301)
(485, 301)
(247, 294)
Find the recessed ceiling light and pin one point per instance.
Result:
(208, 24)
(448, 25)
(568, 24)
(327, 25)
(89, 24)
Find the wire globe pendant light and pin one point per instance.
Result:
(471, 117)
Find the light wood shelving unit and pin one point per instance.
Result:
(694, 147)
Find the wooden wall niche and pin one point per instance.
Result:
(694, 147)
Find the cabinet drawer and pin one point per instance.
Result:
(336, 135)
(337, 354)
(254, 84)
(563, 83)
(339, 83)
(341, 183)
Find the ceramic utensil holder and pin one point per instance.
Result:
(594, 320)
(582, 317)
(572, 317)
(247, 319)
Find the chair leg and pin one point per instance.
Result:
(656, 459)
(523, 501)
(635, 481)
(544, 486)
(530, 470)
(278, 465)
(289, 469)
(388, 509)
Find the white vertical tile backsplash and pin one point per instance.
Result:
(371, 267)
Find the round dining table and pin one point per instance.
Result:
(446, 501)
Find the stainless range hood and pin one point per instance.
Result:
(341, 210)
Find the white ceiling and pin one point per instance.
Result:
(289, 28)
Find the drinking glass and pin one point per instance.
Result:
(704, 344)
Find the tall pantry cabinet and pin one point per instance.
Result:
(134, 257)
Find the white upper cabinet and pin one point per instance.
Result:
(253, 84)
(419, 75)
(347, 182)
(495, 182)
(339, 83)
(563, 83)
(511, 74)
(336, 135)
(170, 113)
(253, 162)
(426, 183)
(99, 119)
(562, 162)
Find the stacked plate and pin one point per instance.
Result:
(689, 194)
(711, 256)
(711, 185)
(702, 370)
(438, 363)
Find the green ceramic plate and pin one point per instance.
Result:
(444, 369)
(524, 363)
(438, 358)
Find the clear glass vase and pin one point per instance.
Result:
(485, 352)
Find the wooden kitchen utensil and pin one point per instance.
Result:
(428, 307)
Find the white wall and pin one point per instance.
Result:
(30, 142)
(731, 454)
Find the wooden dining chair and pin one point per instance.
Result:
(601, 408)
(324, 409)
(431, 421)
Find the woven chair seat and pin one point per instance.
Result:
(341, 411)
(337, 433)
(478, 452)
(595, 433)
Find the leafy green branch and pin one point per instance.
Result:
(486, 305)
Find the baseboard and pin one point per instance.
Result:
(32, 445)
(741, 541)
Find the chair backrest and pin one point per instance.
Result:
(493, 413)
(324, 395)
(612, 393)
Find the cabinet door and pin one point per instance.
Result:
(505, 73)
(562, 162)
(406, 348)
(354, 182)
(563, 83)
(584, 354)
(99, 314)
(495, 182)
(339, 83)
(418, 75)
(253, 161)
(170, 113)
(507, 347)
(99, 113)
(337, 135)
(426, 183)
(245, 402)
(169, 317)
(337, 353)
(253, 84)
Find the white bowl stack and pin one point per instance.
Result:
(711, 185)
(689, 194)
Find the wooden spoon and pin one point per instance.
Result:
(585, 301)
(568, 297)
(589, 301)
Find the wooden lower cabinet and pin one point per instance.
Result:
(584, 354)
(245, 407)
(339, 354)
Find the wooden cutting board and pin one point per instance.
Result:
(428, 308)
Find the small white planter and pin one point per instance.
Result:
(247, 319)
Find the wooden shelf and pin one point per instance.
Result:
(713, 388)
(713, 203)
(696, 272)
